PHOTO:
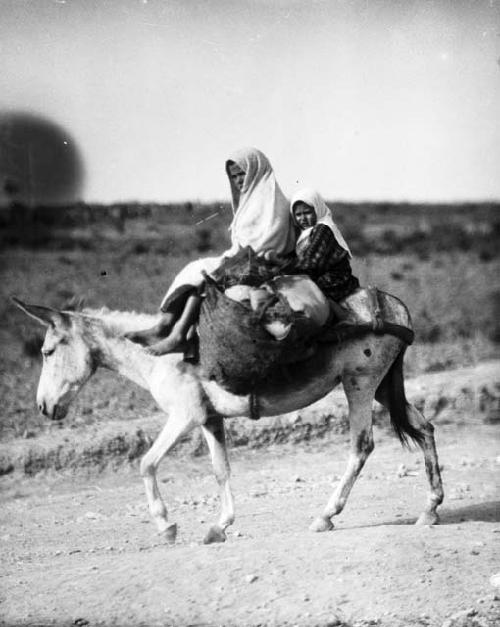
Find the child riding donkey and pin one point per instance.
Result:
(321, 251)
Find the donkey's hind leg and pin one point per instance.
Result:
(178, 425)
(360, 392)
(428, 445)
(213, 430)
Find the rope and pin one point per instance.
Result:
(254, 406)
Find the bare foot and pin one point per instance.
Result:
(171, 344)
(144, 338)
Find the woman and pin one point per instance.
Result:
(261, 220)
(321, 251)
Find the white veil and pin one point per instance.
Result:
(323, 216)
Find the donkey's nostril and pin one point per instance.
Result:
(42, 408)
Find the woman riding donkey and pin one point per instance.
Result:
(261, 220)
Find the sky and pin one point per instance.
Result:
(362, 100)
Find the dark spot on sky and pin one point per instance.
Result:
(40, 163)
(103, 273)
(367, 352)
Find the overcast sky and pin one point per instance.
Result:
(394, 100)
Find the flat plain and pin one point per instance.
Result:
(77, 544)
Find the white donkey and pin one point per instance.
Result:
(77, 343)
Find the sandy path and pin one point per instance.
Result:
(85, 548)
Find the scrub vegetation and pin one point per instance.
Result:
(442, 261)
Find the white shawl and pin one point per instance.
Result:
(261, 217)
(323, 216)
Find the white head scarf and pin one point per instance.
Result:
(323, 216)
(261, 220)
(261, 216)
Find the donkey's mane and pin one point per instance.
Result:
(119, 322)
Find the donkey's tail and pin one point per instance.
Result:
(392, 392)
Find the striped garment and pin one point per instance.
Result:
(327, 263)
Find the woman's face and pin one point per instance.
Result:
(304, 215)
(237, 175)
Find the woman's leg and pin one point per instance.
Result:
(171, 310)
(153, 334)
(176, 340)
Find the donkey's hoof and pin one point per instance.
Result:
(215, 534)
(427, 519)
(321, 524)
(170, 533)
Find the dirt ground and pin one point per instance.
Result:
(82, 550)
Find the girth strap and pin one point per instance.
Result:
(342, 332)
(254, 406)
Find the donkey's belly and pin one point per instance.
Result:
(303, 383)
(296, 386)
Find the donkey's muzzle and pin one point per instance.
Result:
(57, 413)
(42, 408)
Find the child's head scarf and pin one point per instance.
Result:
(261, 217)
(323, 216)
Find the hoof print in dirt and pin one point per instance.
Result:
(215, 534)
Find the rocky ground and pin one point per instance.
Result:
(81, 550)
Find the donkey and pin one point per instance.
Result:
(78, 343)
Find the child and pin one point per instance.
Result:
(261, 220)
(321, 251)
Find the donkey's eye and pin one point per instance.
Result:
(48, 352)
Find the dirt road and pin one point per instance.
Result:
(84, 552)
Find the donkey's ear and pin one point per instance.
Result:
(45, 315)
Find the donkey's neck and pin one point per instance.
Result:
(123, 356)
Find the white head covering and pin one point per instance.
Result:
(261, 216)
(261, 220)
(323, 216)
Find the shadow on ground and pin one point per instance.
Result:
(481, 512)
(484, 512)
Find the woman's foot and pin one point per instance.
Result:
(172, 344)
(144, 338)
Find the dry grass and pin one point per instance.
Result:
(447, 277)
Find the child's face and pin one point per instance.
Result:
(237, 175)
(304, 215)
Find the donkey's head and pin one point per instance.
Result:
(68, 361)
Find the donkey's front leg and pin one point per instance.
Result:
(178, 425)
(360, 392)
(213, 430)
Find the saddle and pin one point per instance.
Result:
(236, 350)
(238, 344)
